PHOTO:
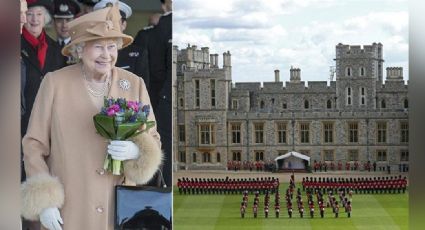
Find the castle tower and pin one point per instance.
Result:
(358, 72)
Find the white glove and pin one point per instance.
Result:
(50, 219)
(123, 150)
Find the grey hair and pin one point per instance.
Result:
(76, 50)
(47, 17)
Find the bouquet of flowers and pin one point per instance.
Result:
(120, 119)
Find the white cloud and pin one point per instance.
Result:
(261, 38)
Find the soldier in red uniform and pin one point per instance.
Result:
(277, 209)
(255, 210)
(311, 208)
(289, 206)
(322, 209)
(243, 210)
(339, 165)
(301, 209)
(336, 209)
(348, 209)
(266, 210)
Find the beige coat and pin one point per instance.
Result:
(64, 155)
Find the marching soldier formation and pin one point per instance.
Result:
(227, 185)
(358, 185)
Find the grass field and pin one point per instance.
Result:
(208, 212)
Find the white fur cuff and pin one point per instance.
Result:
(143, 169)
(40, 192)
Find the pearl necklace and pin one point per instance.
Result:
(92, 90)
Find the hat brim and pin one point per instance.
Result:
(127, 40)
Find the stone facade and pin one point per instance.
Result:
(357, 117)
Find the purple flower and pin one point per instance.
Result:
(112, 110)
(146, 109)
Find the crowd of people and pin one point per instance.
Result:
(357, 185)
(227, 185)
(331, 202)
(267, 166)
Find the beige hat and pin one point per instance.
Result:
(99, 24)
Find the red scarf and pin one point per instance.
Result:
(39, 44)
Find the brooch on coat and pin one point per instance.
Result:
(124, 84)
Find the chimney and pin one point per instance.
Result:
(212, 59)
(276, 75)
(295, 74)
(216, 60)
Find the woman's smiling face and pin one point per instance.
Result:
(100, 56)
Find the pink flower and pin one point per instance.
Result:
(133, 105)
(112, 110)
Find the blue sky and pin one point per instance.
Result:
(276, 34)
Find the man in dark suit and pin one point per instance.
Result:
(160, 62)
(65, 11)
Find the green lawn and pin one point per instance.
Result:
(208, 212)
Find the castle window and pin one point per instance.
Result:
(235, 104)
(262, 104)
(236, 156)
(218, 157)
(353, 132)
(182, 137)
(304, 132)
(404, 155)
(349, 96)
(362, 96)
(259, 155)
(353, 155)
(183, 67)
(272, 101)
(194, 157)
(212, 84)
(328, 130)
(406, 104)
(281, 132)
(181, 103)
(381, 132)
(328, 155)
(284, 106)
(383, 104)
(329, 104)
(348, 72)
(381, 155)
(404, 132)
(236, 133)
(259, 132)
(362, 71)
(182, 156)
(206, 134)
(206, 157)
(197, 93)
(306, 104)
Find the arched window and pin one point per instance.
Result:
(362, 71)
(406, 103)
(349, 96)
(383, 105)
(306, 104)
(262, 104)
(218, 157)
(181, 102)
(329, 104)
(183, 67)
(206, 157)
(348, 71)
(194, 157)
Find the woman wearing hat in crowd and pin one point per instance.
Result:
(66, 184)
(39, 53)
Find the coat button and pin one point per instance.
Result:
(99, 209)
(100, 171)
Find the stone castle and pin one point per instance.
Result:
(359, 116)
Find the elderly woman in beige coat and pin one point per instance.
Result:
(66, 185)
